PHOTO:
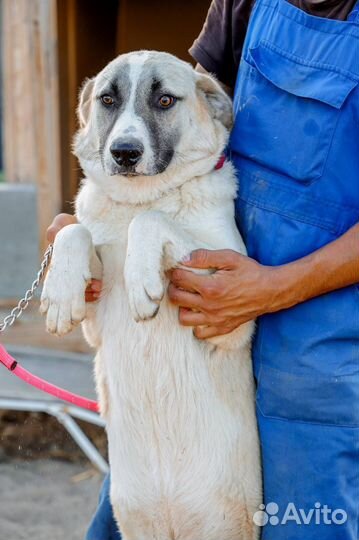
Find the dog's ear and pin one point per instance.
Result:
(220, 104)
(85, 99)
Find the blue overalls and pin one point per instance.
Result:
(295, 144)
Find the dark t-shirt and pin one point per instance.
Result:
(219, 46)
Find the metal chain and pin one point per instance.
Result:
(24, 302)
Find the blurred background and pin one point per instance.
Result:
(49, 484)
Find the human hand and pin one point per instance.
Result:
(59, 222)
(239, 290)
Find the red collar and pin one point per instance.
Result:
(220, 162)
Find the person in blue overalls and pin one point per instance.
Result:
(294, 69)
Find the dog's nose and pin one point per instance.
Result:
(126, 154)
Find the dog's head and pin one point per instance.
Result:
(149, 121)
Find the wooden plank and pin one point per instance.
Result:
(19, 142)
(68, 83)
(31, 102)
(87, 41)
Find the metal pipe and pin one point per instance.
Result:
(62, 413)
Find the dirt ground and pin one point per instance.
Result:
(29, 436)
(48, 489)
(46, 499)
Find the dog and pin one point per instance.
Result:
(180, 413)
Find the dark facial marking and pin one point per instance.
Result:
(163, 136)
(119, 87)
(156, 85)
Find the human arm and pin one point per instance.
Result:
(241, 289)
(218, 48)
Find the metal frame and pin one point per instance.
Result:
(65, 414)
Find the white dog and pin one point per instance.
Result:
(180, 413)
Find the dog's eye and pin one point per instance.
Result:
(107, 100)
(166, 101)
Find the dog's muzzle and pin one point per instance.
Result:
(126, 155)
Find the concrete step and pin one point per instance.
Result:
(19, 239)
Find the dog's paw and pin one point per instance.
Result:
(63, 300)
(145, 292)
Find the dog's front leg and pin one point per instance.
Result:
(63, 295)
(155, 244)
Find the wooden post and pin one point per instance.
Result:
(31, 104)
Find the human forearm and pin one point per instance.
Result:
(241, 289)
(332, 267)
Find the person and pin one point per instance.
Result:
(294, 71)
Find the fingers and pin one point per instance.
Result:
(90, 296)
(189, 281)
(182, 298)
(60, 221)
(206, 332)
(51, 233)
(210, 287)
(205, 258)
(96, 285)
(188, 317)
(93, 290)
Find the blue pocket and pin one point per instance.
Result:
(316, 400)
(308, 361)
(287, 110)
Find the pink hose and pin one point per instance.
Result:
(12, 365)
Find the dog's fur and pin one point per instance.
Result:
(180, 416)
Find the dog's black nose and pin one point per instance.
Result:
(126, 154)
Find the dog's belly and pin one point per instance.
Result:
(181, 423)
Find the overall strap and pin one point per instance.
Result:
(354, 15)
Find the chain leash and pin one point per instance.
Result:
(24, 302)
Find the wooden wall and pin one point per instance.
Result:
(49, 48)
(159, 25)
(87, 32)
(92, 33)
(30, 94)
